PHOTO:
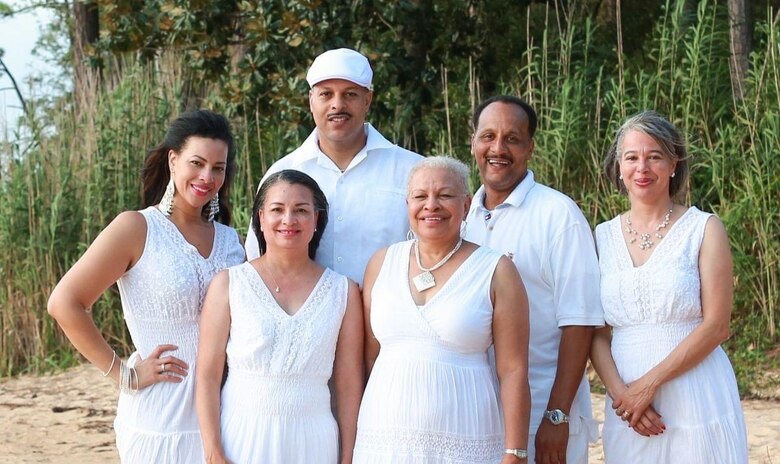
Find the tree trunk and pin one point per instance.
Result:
(85, 33)
(740, 32)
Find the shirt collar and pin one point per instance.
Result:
(310, 150)
(515, 198)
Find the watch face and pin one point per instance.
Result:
(556, 416)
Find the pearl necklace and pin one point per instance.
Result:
(268, 270)
(644, 239)
(425, 280)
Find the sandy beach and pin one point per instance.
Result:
(67, 418)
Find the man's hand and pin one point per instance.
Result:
(551, 443)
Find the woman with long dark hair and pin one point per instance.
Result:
(162, 258)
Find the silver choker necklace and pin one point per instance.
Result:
(644, 239)
(425, 280)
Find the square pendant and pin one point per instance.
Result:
(424, 281)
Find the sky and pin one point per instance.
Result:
(18, 35)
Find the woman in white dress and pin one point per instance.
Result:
(433, 307)
(666, 289)
(284, 324)
(162, 258)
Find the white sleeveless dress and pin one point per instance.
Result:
(432, 396)
(161, 300)
(276, 402)
(651, 309)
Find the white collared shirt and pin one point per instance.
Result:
(367, 202)
(546, 236)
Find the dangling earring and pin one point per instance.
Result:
(166, 203)
(411, 235)
(462, 229)
(214, 207)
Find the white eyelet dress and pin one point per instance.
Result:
(162, 297)
(276, 402)
(651, 309)
(432, 396)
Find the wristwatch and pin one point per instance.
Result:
(556, 416)
(520, 453)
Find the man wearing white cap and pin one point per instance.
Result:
(362, 174)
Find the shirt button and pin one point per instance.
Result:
(339, 259)
(490, 228)
(340, 218)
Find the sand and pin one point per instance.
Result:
(68, 418)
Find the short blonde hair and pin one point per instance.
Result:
(454, 166)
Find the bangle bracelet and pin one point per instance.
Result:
(113, 361)
(520, 453)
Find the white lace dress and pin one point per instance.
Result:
(432, 396)
(161, 300)
(652, 308)
(275, 402)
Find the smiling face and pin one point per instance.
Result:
(198, 171)
(339, 108)
(502, 147)
(436, 204)
(288, 216)
(644, 166)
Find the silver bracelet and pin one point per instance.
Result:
(113, 361)
(126, 379)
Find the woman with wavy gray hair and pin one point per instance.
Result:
(666, 289)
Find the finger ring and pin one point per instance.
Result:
(163, 368)
(626, 415)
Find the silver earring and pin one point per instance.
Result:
(620, 177)
(166, 203)
(214, 207)
(673, 174)
(462, 229)
(410, 235)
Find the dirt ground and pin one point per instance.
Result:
(67, 418)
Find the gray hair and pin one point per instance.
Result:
(454, 166)
(662, 131)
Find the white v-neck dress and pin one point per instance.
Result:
(651, 309)
(162, 297)
(276, 402)
(432, 396)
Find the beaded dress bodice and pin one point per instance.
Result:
(266, 340)
(163, 293)
(666, 288)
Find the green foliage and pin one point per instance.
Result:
(433, 62)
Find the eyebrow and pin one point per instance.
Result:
(305, 203)
(204, 159)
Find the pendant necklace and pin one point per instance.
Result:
(644, 239)
(277, 289)
(425, 280)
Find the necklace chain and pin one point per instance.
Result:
(644, 239)
(425, 280)
(268, 270)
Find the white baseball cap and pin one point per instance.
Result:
(341, 63)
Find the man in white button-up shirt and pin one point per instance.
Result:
(362, 174)
(545, 234)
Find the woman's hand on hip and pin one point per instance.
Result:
(157, 368)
